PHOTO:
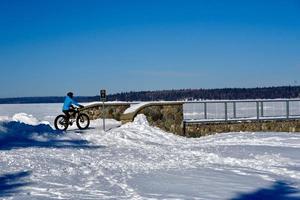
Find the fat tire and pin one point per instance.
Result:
(85, 117)
(56, 121)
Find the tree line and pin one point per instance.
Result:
(210, 94)
(175, 95)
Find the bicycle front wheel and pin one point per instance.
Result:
(83, 121)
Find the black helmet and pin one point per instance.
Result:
(70, 94)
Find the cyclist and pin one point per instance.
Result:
(68, 105)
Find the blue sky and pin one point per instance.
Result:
(51, 47)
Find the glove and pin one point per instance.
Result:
(81, 106)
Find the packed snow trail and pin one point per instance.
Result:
(137, 161)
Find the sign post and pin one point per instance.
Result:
(103, 99)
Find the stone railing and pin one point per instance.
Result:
(111, 110)
(166, 115)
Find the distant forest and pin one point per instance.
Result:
(174, 95)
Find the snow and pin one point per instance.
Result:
(135, 107)
(137, 161)
(27, 119)
(95, 103)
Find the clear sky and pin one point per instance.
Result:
(50, 47)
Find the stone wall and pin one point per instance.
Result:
(203, 129)
(111, 110)
(167, 116)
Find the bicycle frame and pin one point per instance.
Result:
(73, 115)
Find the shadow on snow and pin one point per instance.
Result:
(280, 190)
(83, 131)
(13, 183)
(19, 135)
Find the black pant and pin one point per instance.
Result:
(68, 113)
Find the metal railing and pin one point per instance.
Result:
(239, 110)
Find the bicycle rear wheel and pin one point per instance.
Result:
(61, 123)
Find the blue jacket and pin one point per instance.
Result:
(68, 102)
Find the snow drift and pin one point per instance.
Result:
(24, 130)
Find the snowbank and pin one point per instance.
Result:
(28, 119)
(23, 130)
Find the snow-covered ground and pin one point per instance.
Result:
(136, 161)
